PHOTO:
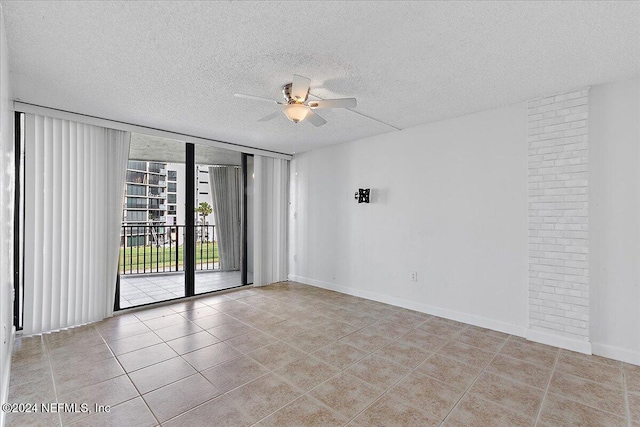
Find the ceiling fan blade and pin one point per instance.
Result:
(270, 116)
(334, 103)
(300, 87)
(315, 119)
(255, 98)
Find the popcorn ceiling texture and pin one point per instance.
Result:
(176, 65)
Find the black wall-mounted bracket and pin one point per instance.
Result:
(362, 195)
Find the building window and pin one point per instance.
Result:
(172, 187)
(171, 198)
(139, 166)
(136, 190)
(172, 176)
(136, 177)
(136, 216)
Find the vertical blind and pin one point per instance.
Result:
(74, 187)
(225, 191)
(271, 190)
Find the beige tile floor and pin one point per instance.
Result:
(296, 355)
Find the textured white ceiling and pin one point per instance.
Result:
(176, 65)
(156, 149)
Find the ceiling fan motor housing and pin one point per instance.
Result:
(286, 92)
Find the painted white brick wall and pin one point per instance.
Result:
(558, 143)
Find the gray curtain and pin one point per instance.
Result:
(225, 190)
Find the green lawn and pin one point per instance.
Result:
(145, 258)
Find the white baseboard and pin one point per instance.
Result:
(6, 376)
(483, 322)
(617, 353)
(559, 341)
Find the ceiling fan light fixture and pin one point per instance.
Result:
(296, 112)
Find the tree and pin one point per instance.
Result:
(204, 209)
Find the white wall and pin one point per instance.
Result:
(614, 216)
(449, 201)
(7, 186)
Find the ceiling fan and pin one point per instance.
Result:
(296, 105)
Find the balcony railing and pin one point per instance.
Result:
(146, 249)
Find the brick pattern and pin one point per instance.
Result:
(558, 148)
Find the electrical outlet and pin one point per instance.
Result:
(413, 276)
(295, 258)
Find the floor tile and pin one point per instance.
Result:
(213, 320)
(133, 412)
(466, 354)
(192, 342)
(529, 352)
(378, 371)
(119, 332)
(219, 411)
(559, 411)
(404, 354)
(510, 394)
(604, 374)
(107, 393)
(389, 411)
(275, 355)
(589, 393)
(346, 394)
(306, 373)
(146, 356)
(158, 375)
(67, 378)
(518, 370)
(304, 411)
(339, 354)
(634, 407)
(308, 341)
(210, 356)
(230, 330)
(234, 373)
(367, 340)
(424, 340)
(430, 395)
(177, 331)
(250, 341)
(481, 340)
(472, 411)
(181, 396)
(126, 345)
(263, 396)
(449, 371)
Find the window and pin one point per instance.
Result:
(171, 198)
(139, 166)
(172, 210)
(135, 202)
(136, 190)
(136, 216)
(136, 177)
(172, 187)
(155, 167)
(172, 176)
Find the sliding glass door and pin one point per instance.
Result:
(184, 229)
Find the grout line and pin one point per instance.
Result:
(474, 381)
(626, 396)
(546, 390)
(53, 379)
